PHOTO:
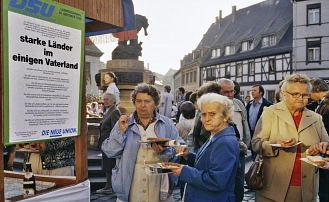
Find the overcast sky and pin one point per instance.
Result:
(175, 29)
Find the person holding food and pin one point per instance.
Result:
(130, 180)
(54, 157)
(210, 174)
(286, 130)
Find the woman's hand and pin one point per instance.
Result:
(283, 142)
(325, 167)
(177, 171)
(183, 151)
(123, 122)
(157, 147)
(322, 147)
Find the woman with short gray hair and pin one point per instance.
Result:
(210, 174)
(110, 117)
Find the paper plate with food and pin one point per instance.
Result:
(287, 143)
(179, 154)
(32, 148)
(163, 141)
(318, 161)
(167, 165)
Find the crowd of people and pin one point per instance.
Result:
(215, 127)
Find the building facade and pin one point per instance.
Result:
(92, 67)
(252, 50)
(311, 38)
(290, 37)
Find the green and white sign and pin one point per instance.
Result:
(43, 43)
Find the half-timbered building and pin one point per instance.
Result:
(252, 45)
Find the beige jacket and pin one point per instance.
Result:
(276, 122)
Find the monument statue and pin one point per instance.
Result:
(133, 49)
(125, 64)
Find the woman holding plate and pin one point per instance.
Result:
(130, 180)
(287, 178)
(210, 174)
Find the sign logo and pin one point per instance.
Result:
(33, 6)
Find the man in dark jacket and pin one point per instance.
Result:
(320, 97)
(255, 109)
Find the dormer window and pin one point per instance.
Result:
(247, 45)
(230, 49)
(215, 52)
(268, 41)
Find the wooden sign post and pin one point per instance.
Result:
(104, 18)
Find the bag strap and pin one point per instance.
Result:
(260, 159)
(261, 150)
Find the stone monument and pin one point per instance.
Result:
(126, 66)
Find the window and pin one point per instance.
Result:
(272, 40)
(271, 95)
(268, 41)
(211, 74)
(218, 52)
(313, 54)
(194, 76)
(186, 77)
(228, 72)
(247, 45)
(239, 69)
(313, 50)
(191, 77)
(251, 68)
(265, 41)
(230, 49)
(271, 65)
(215, 52)
(313, 11)
(183, 79)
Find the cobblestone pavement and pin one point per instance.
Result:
(249, 196)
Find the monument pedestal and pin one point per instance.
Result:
(130, 73)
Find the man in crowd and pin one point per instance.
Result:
(181, 92)
(320, 97)
(240, 120)
(255, 109)
(246, 100)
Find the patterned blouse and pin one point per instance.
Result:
(58, 154)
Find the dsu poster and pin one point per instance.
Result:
(43, 70)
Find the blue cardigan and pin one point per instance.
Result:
(124, 147)
(211, 176)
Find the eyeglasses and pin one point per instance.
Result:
(297, 95)
(228, 92)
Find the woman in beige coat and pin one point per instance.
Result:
(287, 178)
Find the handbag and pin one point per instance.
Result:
(255, 175)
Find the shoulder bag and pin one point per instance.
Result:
(255, 175)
